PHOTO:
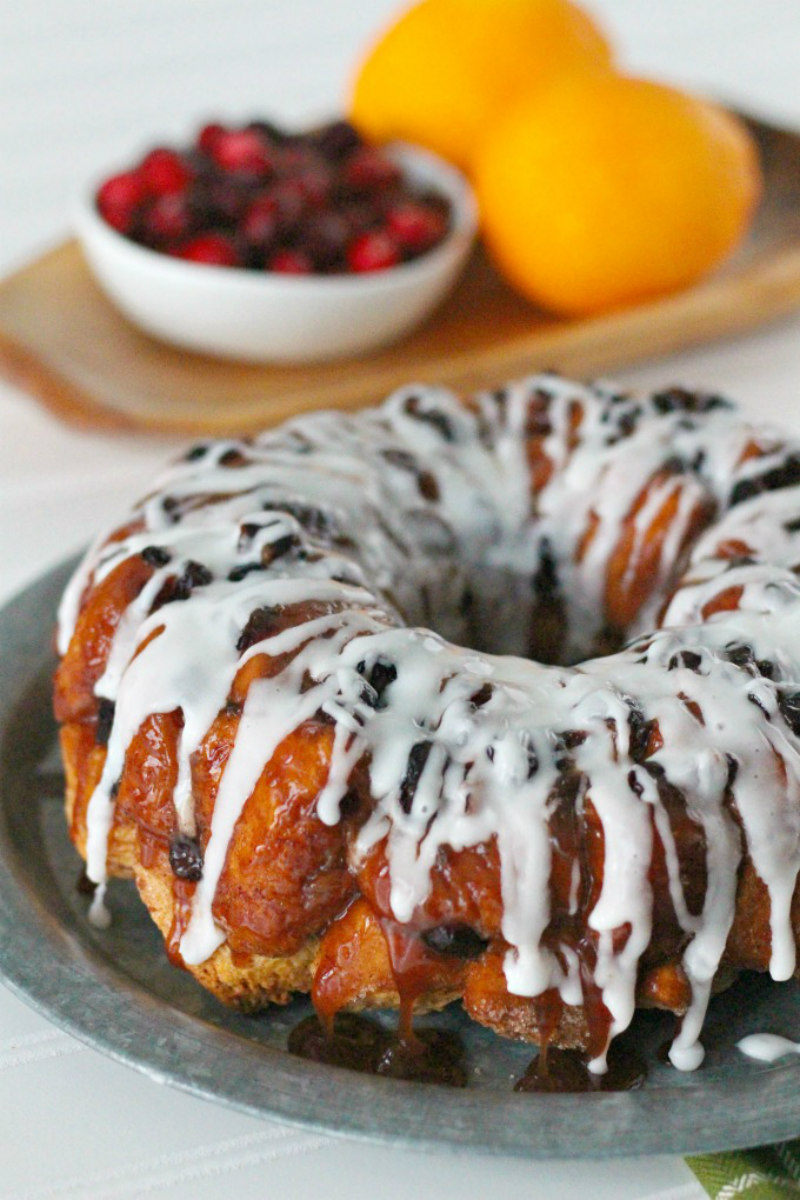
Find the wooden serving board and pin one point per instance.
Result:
(68, 346)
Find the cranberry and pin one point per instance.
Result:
(416, 227)
(360, 215)
(315, 185)
(164, 172)
(291, 262)
(297, 156)
(221, 201)
(168, 219)
(324, 235)
(255, 195)
(241, 151)
(373, 251)
(269, 131)
(118, 199)
(289, 197)
(208, 135)
(261, 221)
(368, 168)
(214, 249)
(336, 140)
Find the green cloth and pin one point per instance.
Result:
(765, 1173)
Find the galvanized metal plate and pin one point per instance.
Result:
(115, 990)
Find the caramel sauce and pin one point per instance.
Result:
(567, 1071)
(355, 1042)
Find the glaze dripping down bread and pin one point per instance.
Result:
(493, 698)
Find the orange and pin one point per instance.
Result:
(446, 69)
(606, 190)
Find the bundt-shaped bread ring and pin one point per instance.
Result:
(316, 792)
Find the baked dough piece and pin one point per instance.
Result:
(314, 791)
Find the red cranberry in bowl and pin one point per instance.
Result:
(119, 200)
(330, 247)
(213, 249)
(373, 251)
(167, 220)
(325, 237)
(368, 169)
(255, 196)
(416, 226)
(291, 262)
(242, 152)
(164, 172)
(261, 220)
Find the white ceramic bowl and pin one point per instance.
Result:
(270, 317)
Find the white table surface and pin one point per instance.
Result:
(82, 83)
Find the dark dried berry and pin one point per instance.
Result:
(402, 459)
(569, 739)
(626, 424)
(197, 575)
(236, 574)
(792, 526)
(431, 416)
(789, 704)
(416, 765)
(180, 587)
(315, 520)
(455, 941)
(681, 400)
(282, 545)
(261, 624)
(742, 655)
(754, 699)
(426, 482)
(733, 771)
(674, 465)
(185, 858)
(380, 676)
(640, 732)
(428, 487)
(635, 784)
(685, 658)
(786, 475)
(194, 453)
(156, 556)
(482, 696)
(105, 719)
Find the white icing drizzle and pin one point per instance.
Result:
(386, 521)
(767, 1047)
